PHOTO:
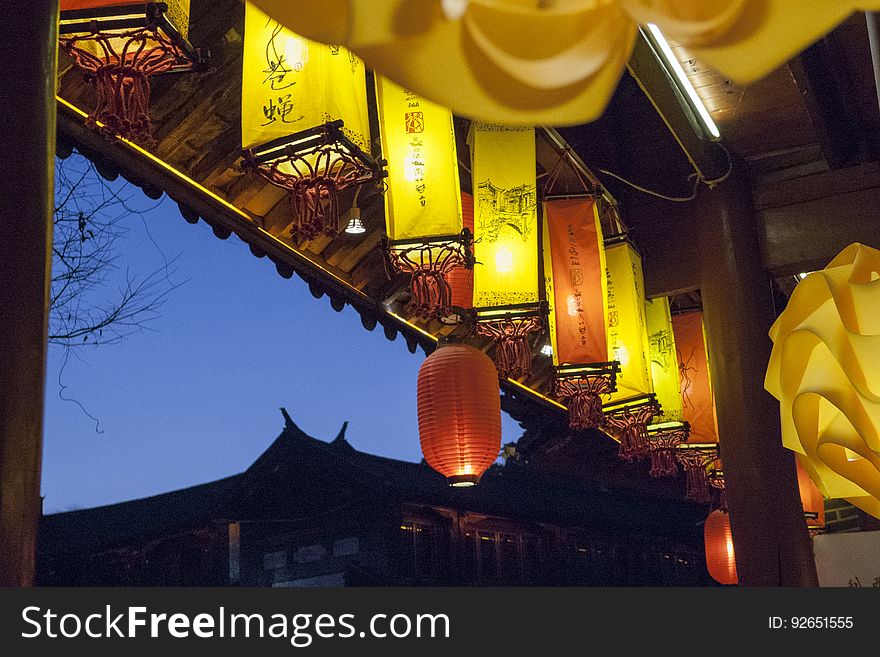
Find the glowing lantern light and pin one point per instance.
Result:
(304, 122)
(422, 199)
(720, 560)
(698, 403)
(633, 406)
(574, 272)
(461, 279)
(506, 242)
(811, 499)
(459, 412)
(668, 430)
(823, 370)
(120, 45)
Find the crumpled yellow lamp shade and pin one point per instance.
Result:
(552, 62)
(825, 371)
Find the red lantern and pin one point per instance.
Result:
(461, 279)
(811, 499)
(459, 413)
(719, 548)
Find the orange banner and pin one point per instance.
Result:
(577, 277)
(698, 404)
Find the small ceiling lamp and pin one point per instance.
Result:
(459, 411)
(120, 45)
(304, 122)
(664, 438)
(720, 558)
(355, 225)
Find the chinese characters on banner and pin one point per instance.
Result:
(698, 404)
(505, 215)
(664, 361)
(627, 329)
(574, 270)
(422, 198)
(290, 84)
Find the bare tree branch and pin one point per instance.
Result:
(90, 220)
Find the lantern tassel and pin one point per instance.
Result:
(583, 395)
(121, 76)
(630, 426)
(513, 353)
(429, 264)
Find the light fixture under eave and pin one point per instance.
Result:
(672, 65)
(355, 225)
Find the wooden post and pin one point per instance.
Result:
(770, 537)
(27, 144)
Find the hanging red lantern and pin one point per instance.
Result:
(811, 499)
(461, 279)
(719, 548)
(459, 412)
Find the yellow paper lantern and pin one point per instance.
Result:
(668, 430)
(633, 406)
(120, 45)
(304, 121)
(423, 215)
(825, 371)
(554, 63)
(505, 241)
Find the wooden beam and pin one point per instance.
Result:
(801, 223)
(826, 90)
(28, 51)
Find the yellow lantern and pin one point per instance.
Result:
(633, 406)
(824, 371)
(506, 242)
(120, 45)
(668, 430)
(304, 121)
(574, 274)
(423, 215)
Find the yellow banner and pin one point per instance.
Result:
(627, 329)
(290, 84)
(423, 197)
(664, 362)
(505, 215)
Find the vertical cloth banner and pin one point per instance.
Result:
(505, 215)
(627, 328)
(418, 141)
(664, 361)
(574, 273)
(291, 84)
(698, 404)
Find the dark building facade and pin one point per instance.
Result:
(312, 513)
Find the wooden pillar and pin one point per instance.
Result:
(770, 537)
(27, 145)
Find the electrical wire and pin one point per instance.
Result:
(696, 177)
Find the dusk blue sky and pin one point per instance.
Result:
(196, 397)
